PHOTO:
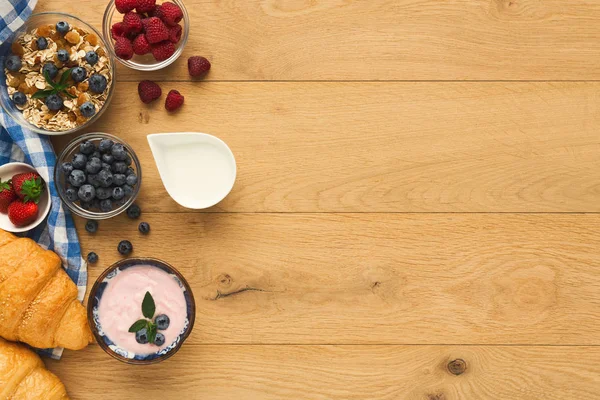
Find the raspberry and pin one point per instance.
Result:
(149, 91)
(169, 13)
(133, 22)
(156, 31)
(118, 30)
(175, 33)
(141, 46)
(198, 65)
(123, 48)
(174, 100)
(144, 6)
(124, 6)
(163, 50)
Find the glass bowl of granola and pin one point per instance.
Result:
(56, 74)
(146, 35)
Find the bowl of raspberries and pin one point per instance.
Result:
(146, 34)
(98, 176)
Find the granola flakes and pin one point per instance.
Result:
(29, 78)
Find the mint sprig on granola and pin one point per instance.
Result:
(59, 87)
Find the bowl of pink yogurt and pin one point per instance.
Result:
(141, 310)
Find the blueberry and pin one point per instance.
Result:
(13, 63)
(63, 55)
(105, 177)
(132, 179)
(128, 160)
(19, 98)
(91, 57)
(66, 168)
(62, 27)
(86, 192)
(71, 194)
(79, 161)
(128, 190)
(106, 205)
(92, 179)
(87, 147)
(130, 171)
(118, 193)
(162, 321)
(106, 166)
(118, 151)
(141, 336)
(92, 257)
(77, 178)
(86, 205)
(91, 226)
(159, 339)
(87, 109)
(134, 211)
(93, 166)
(54, 102)
(78, 74)
(108, 158)
(96, 154)
(105, 145)
(50, 69)
(42, 43)
(97, 83)
(119, 167)
(119, 203)
(119, 180)
(103, 193)
(125, 247)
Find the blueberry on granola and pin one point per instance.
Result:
(87, 109)
(91, 57)
(62, 27)
(50, 69)
(42, 43)
(78, 74)
(97, 83)
(54, 102)
(19, 98)
(13, 63)
(63, 55)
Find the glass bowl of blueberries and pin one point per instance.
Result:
(98, 176)
(57, 74)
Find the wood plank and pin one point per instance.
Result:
(339, 372)
(383, 39)
(377, 278)
(384, 147)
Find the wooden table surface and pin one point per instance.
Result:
(416, 212)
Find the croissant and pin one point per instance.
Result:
(24, 377)
(38, 300)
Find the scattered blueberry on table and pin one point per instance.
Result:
(134, 211)
(92, 257)
(91, 226)
(125, 247)
(144, 227)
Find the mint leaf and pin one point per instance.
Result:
(49, 80)
(137, 325)
(41, 94)
(65, 76)
(148, 306)
(151, 332)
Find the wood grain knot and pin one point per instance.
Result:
(457, 367)
(143, 117)
(224, 280)
(436, 396)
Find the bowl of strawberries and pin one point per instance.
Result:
(146, 35)
(24, 197)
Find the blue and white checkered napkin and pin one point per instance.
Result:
(19, 144)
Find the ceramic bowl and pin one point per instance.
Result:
(7, 171)
(61, 182)
(211, 160)
(106, 343)
(145, 62)
(35, 21)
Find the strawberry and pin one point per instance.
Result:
(174, 100)
(149, 91)
(156, 31)
(198, 65)
(133, 22)
(163, 50)
(22, 213)
(175, 33)
(28, 186)
(169, 13)
(7, 195)
(118, 30)
(140, 45)
(123, 48)
(144, 6)
(124, 6)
